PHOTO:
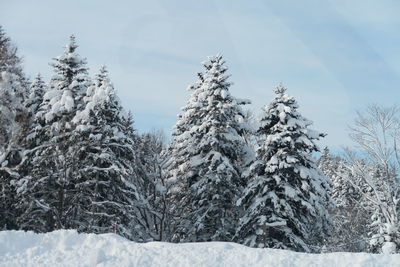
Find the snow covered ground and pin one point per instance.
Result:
(68, 248)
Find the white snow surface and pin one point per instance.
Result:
(68, 248)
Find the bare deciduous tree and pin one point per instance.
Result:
(376, 131)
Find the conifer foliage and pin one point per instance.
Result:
(206, 154)
(50, 195)
(35, 95)
(286, 198)
(13, 118)
(10, 61)
(51, 191)
(106, 192)
(13, 124)
(13, 114)
(70, 158)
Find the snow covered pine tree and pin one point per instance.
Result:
(13, 123)
(205, 159)
(349, 213)
(9, 59)
(13, 115)
(286, 198)
(105, 152)
(13, 119)
(48, 189)
(35, 96)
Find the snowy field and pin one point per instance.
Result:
(68, 248)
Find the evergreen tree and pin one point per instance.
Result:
(335, 171)
(13, 115)
(324, 162)
(107, 196)
(13, 118)
(10, 61)
(13, 126)
(205, 159)
(32, 104)
(67, 87)
(286, 198)
(48, 192)
(35, 96)
(349, 214)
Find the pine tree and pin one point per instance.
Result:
(67, 87)
(286, 198)
(10, 61)
(29, 141)
(335, 171)
(324, 162)
(349, 214)
(48, 190)
(35, 96)
(107, 193)
(13, 126)
(205, 159)
(32, 103)
(13, 115)
(13, 119)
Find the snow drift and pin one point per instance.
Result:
(68, 248)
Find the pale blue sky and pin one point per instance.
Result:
(334, 56)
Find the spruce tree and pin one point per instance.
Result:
(205, 159)
(107, 192)
(349, 215)
(49, 191)
(67, 87)
(285, 201)
(335, 170)
(13, 120)
(13, 115)
(10, 61)
(35, 95)
(13, 125)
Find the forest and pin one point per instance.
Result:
(71, 158)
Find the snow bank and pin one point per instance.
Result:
(68, 248)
